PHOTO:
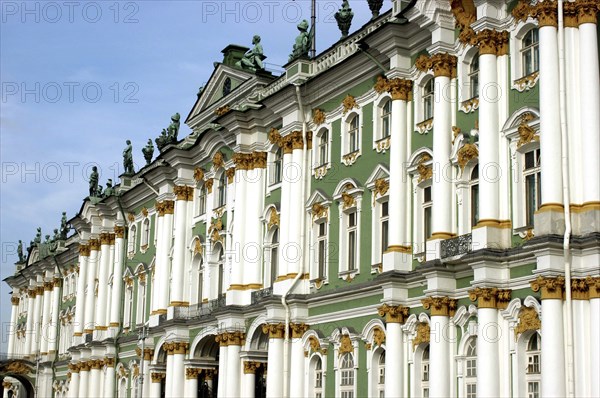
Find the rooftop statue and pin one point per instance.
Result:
(38, 236)
(56, 234)
(148, 151)
(253, 58)
(99, 193)
(64, 227)
(344, 18)
(94, 182)
(109, 190)
(303, 42)
(128, 159)
(169, 135)
(20, 252)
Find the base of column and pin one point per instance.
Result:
(549, 219)
(398, 260)
(491, 236)
(585, 218)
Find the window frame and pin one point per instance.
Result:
(351, 149)
(428, 99)
(347, 376)
(532, 49)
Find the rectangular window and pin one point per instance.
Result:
(322, 250)
(428, 97)
(427, 218)
(533, 193)
(471, 390)
(352, 241)
(202, 201)
(471, 368)
(533, 364)
(324, 148)
(533, 389)
(425, 372)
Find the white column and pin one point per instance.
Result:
(439, 349)
(553, 353)
(164, 262)
(394, 360)
(29, 331)
(169, 374)
(13, 325)
(275, 360)
(84, 376)
(147, 381)
(398, 255)
(84, 253)
(74, 383)
(249, 381)
(178, 376)
(550, 139)
(109, 379)
(37, 320)
(590, 103)
(253, 237)
(488, 363)
(581, 337)
(155, 386)
(295, 173)
(90, 297)
(95, 387)
(117, 288)
(239, 231)
(233, 368)
(45, 325)
(158, 255)
(594, 333)
(284, 219)
(100, 316)
(297, 360)
(575, 134)
(191, 383)
(444, 67)
(53, 329)
(222, 386)
(183, 193)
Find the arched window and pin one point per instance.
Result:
(474, 76)
(425, 373)
(145, 234)
(123, 388)
(428, 99)
(222, 192)
(386, 120)
(323, 155)
(318, 378)
(347, 376)
(534, 366)
(201, 207)
(471, 369)
(381, 376)
(353, 134)
(530, 52)
(127, 313)
(474, 185)
(132, 239)
(221, 267)
(274, 256)
(352, 242)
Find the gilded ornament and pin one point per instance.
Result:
(593, 286)
(348, 104)
(348, 200)
(144, 212)
(423, 334)
(84, 250)
(131, 217)
(587, 11)
(198, 247)
(119, 232)
(350, 158)
(400, 89)
(230, 172)
(250, 367)
(552, 288)
(464, 12)
(490, 297)
(381, 187)
(222, 110)
(273, 219)
(275, 330)
(423, 63)
(381, 85)
(192, 373)
(378, 336)
(318, 116)
(570, 14)
(467, 153)
(209, 185)
(218, 160)
(315, 344)
(455, 133)
(198, 174)
(259, 160)
(425, 172)
(157, 377)
(275, 137)
(298, 329)
(526, 132)
(440, 306)
(346, 345)
(393, 314)
(579, 289)
(528, 320)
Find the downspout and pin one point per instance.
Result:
(566, 200)
(286, 341)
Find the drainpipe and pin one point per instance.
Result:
(566, 201)
(286, 341)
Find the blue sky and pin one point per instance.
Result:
(79, 78)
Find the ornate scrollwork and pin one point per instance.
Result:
(348, 104)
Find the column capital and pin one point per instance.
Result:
(183, 192)
(251, 366)
(393, 314)
(119, 231)
(552, 288)
(14, 300)
(440, 306)
(157, 377)
(74, 367)
(587, 11)
(593, 286)
(570, 14)
(105, 238)
(94, 244)
(84, 250)
(48, 286)
(192, 373)
(298, 329)
(580, 289)
(231, 338)
(275, 330)
(492, 42)
(399, 89)
(442, 64)
(165, 207)
(546, 12)
(84, 366)
(209, 374)
(110, 362)
(96, 363)
(490, 297)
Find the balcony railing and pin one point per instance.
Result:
(198, 310)
(260, 294)
(456, 246)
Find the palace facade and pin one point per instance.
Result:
(415, 212)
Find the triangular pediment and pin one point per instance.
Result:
(318, 196)
(214, 90)
(380, 172)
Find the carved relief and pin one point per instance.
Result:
(319, 211)
(528, 320)
(318, 116)
(273, 219)
(345, 345)
(526, 133)
(422, 335)
(467, 153)
(218, 160)
(378, 336)
(393, 314)
(425, 171)
(381, 187)
(348, 104)
(440, 306)
(198, 174)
